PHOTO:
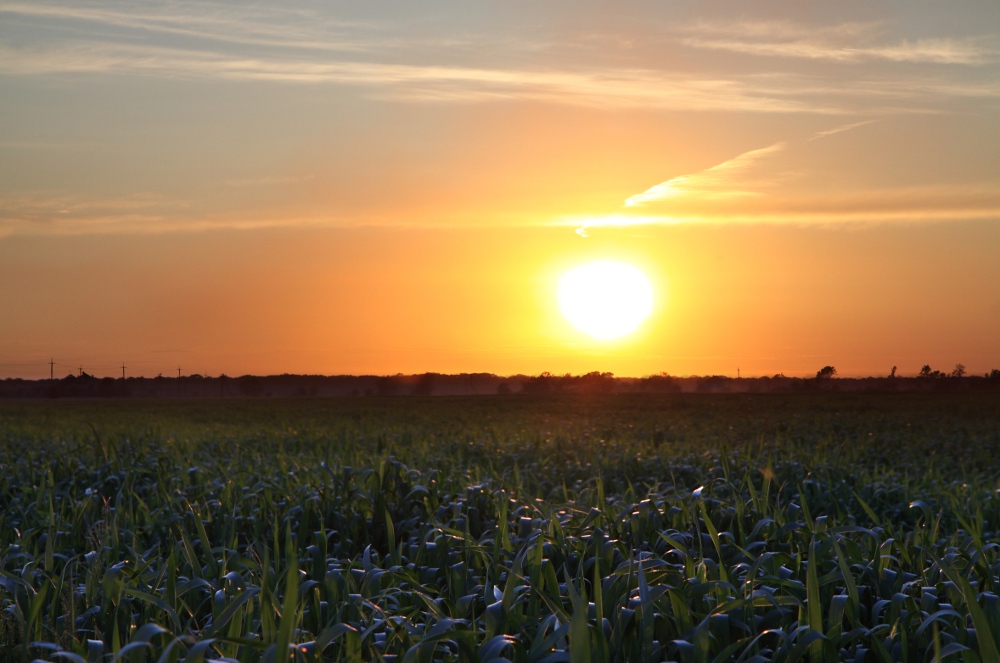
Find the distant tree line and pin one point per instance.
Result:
(440, 384)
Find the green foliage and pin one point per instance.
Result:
(591, 528)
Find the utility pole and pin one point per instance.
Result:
(123, 370)
(737, 373)
(81, 371)
(178, 371)
(52, 369)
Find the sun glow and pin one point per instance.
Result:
(605, 299)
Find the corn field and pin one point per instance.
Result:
(637, 528)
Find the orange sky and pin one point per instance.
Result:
(376, 191)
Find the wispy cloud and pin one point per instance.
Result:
(602, 88)
(277, 28)
(292, 46)
(599, 88)
(725, 180)
(53, 213)
(815, 215)
(43, 214)
(291, 28)
(940, 51)
(849, 42)
(842, 128)
(147, 214)
(943, 51)
(297, 46)
(38, 206)
(748, 189)
(252, 25)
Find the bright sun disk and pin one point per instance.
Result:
(605, 299)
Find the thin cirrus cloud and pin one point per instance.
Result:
(724, 180)
(840, 129)
(613, 88)
(304, 30)
(145, 213)
(847, 43)
(252, 26)
(602, 88)
(274, 29)
(60, 214)
(902, 205)
(64, 214)
(745, 189)
(260, 44)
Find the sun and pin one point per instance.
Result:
(605, 299)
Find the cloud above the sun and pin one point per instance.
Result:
(751, 188)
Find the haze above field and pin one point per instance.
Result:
(373, 189)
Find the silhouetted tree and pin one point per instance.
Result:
(995, 374)
(663, 382)
(925, 372)
(597, 382)
(388, 386)
(959, 371)
(892, 373)
(713, 383)
(542, 384)
(424, 385)
(110, 387)
(251, 386)
(826, 372)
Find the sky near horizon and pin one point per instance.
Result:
(392, 187)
